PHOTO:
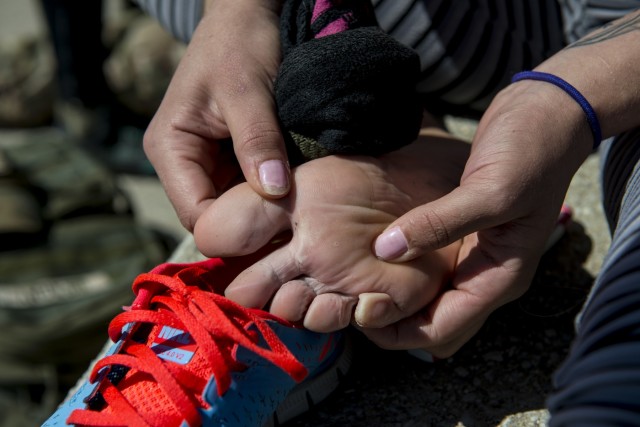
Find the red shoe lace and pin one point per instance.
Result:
(216, 325)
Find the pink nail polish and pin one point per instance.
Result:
(391, 244)
(274, 177)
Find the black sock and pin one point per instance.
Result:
(345, 86)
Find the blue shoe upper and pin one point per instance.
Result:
(255, 392)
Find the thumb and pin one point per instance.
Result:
(258, 143)
(437, 224)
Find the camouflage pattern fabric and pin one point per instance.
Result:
(69, 181)
(27, 82)
(69, 249)
(142, 64)
(20, 219)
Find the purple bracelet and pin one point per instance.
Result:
(592, 119)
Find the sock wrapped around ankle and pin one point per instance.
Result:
(344, 86)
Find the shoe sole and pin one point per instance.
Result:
(312, 391)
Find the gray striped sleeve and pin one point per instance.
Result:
(180, 17)
(599, 382)
(469, 49)
(582, 16)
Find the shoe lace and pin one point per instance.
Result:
(216, 325)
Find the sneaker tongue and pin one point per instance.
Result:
(172, 345)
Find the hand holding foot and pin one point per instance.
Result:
(337, 207)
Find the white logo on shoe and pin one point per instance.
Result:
(174, 345)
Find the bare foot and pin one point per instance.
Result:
(337, 207)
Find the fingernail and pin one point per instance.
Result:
(391, 244)
(274, 177)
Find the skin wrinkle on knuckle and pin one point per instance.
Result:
(314, 285)
(431, 225)
(282, 275)
(271, 273)
(253, 138)
(198, 117)
(275, 276)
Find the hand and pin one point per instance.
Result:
(527, 148)
(529, 144)
(336, 208)
(222, 89)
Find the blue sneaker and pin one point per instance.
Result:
(186, 356)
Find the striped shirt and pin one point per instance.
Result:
(469, 49)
